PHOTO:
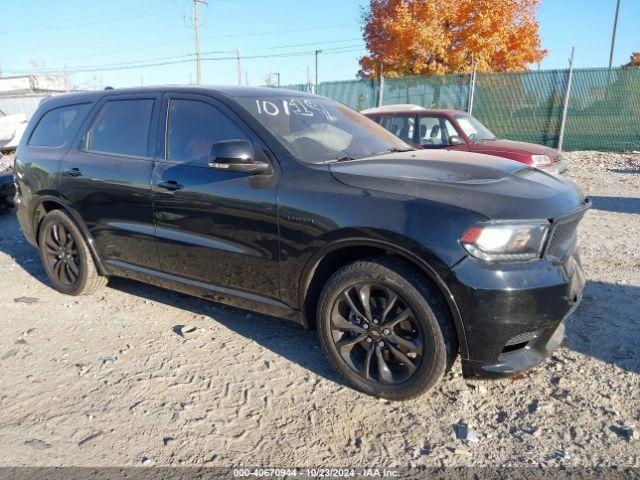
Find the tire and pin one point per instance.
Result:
(424, 337)
(66, 258)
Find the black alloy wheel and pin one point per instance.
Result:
(376, 333)
(65, 256)
(61, 253)
(386, 328)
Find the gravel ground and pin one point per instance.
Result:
(106, 380)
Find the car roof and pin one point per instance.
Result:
(230, 91)
(406, 109)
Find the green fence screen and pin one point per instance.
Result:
(603, 113)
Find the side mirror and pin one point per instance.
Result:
(235, 156)
(456, 140)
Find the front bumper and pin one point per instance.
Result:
(513, 313)
(7, 189)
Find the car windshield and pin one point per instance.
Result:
(319, 130)
(473, 129)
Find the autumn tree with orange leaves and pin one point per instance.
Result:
(634, 61)
(418, 37)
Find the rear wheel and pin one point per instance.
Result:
(66, 258)
(385, 329)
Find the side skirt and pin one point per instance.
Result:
(227, 296)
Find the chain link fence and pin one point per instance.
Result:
(603, 111)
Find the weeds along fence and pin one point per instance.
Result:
(603, 110)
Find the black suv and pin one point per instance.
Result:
(297, 206)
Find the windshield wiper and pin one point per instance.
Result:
(344, 158)
(399, 149)
(393, 150)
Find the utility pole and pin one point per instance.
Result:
(381, 86)
(613, 36)
(472, 87)
(239, 65)
(246, 78)
(196, 26)
(1, 33)
(316, 87)
(565, 106)
(278, 74)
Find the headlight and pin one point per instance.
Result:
(541, 160)
(505, 242)
(5, 163)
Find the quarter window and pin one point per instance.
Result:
(54, 126)
(193, 127)
(121, 128)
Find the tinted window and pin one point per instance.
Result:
(193, 127)
(121, 127)
(54, 125)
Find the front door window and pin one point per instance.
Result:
(435, 132)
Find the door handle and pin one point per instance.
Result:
(171, 185)
(72, 172)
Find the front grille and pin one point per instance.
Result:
(563, 238)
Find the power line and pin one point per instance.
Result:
(155, 45)
(187, 57)
(98, 16)
(337, 50)
(313, 43)
(277, 32)
(123, 16)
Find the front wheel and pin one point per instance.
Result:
(385, 329)
(66, 258)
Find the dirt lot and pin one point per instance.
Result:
(105, 380)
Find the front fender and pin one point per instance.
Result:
(423, 260)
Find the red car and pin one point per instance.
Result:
(455, 130)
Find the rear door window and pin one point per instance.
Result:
(53, 127)
(121, 128)
(193, 127)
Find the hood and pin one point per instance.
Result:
(512, 146)
(494, 187)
